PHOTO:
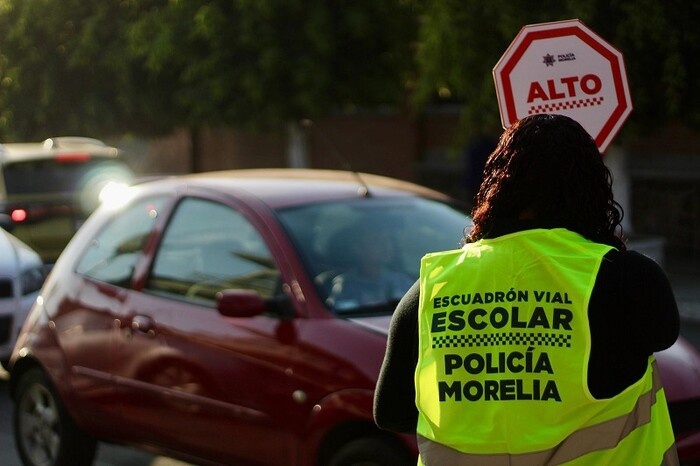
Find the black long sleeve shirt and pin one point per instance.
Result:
(632, 314)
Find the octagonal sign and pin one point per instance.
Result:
(563, 67)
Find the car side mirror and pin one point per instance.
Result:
(249, 303)
(239, 303)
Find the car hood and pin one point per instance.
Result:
(379, 324)
(8, 250)
(679, 365)
(18, 256)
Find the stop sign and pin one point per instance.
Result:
(565, 68)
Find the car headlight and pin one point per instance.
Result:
(32, 280)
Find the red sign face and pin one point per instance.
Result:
(564, 68)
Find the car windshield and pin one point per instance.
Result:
(364, 254)
(53, 176)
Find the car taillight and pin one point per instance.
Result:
(73, 157)
(35, 213)
(18, 215)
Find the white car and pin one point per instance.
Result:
(21, 276)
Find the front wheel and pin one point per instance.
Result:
(45, 434)
(370, 451)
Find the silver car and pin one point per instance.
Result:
(21, 276)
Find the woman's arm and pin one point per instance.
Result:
(395, 394)
(651, 292)
(632, 314)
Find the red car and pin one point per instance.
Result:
(680, 372)
(227, 319)
(231, 318)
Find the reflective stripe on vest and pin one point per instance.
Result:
(504, 344)
(604, 436)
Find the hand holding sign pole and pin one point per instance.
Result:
(565, 68)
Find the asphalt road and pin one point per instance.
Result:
(108, 455)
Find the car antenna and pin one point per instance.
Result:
(363, 189)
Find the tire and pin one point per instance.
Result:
(45, 434)
(370, 451)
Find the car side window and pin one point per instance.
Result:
(113, 253)
(208, 247)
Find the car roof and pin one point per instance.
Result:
(52, 147)
(286, 187)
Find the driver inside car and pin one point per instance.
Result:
(370, 280)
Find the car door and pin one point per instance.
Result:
(220, 388)
(89, 311)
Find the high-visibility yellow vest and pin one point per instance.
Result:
(504, 344)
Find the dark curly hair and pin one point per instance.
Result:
(547, 167)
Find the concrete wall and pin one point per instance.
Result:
(380, 144)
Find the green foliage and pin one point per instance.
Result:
(63, 68)
(462, 40)
(460, 43)
(262, 62)
(110, 66)
(96, 66)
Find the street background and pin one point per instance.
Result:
(401, 88)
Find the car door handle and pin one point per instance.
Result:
(143, 324)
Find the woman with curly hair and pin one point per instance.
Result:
(533, 344)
